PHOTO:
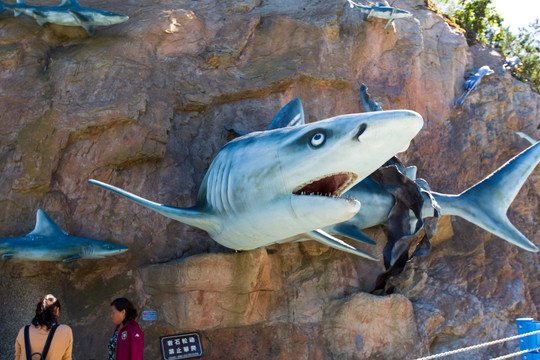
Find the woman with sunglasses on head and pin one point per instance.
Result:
(45, 338)
(127, 342)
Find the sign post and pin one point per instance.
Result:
(182, 346)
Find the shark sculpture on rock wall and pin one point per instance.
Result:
(47, 242)
(472, 83)
(392, 192)
(381, 11)
(485, 204)
(276, 185)
(69, 13)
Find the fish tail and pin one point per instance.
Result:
(462, 97)
(486, 203)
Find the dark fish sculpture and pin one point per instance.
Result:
(472, 83)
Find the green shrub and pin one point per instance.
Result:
(482, 23)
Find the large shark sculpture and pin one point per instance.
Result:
(69, 13)
(383, 193)
(47, 242)
(276, 185)
(381, 11)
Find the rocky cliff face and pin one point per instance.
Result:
(143, 105)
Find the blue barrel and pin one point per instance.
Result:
(532, 342)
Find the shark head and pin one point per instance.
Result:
(103, 17)
(95, 249)
(283, 182)
(268, 187)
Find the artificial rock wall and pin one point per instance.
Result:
(143, 105)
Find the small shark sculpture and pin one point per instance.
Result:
(511, 62)
(68, 13)
(276, 185)
(472, 82)
(47, 242)
(381, 11)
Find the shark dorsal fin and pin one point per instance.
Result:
(291, 114)
(70, 3)
(45, 226)
(20, 2)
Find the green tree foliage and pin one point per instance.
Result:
(482, 23)
(479, 19)
(525, 45)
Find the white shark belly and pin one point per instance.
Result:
(280, 220)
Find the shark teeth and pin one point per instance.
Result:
(330, 185)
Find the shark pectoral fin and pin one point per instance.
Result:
(336, 243)
(83, 21)
(527, 137)
(191, 216)
(16, 13)
(8, 255)
(388, 23)
(369, 13)
(352, 232)
(72, 258)
(80, 18)
(41, 19)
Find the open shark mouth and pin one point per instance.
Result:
(330, 185)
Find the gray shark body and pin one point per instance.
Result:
(276, 185)
(47, 242)
(68, 13)
(381, 11)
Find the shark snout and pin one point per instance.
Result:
(110, 249)
(118, 19)
(393, 127)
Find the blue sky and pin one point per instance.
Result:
(518, 13)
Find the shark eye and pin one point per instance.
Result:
(318, 139)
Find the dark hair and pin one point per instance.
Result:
(46, 312)
(124, 304)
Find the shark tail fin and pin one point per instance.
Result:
(462, 97)
(190, 216)
(485, 204)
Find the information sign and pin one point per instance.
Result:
(182, 346)
(149, 315)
